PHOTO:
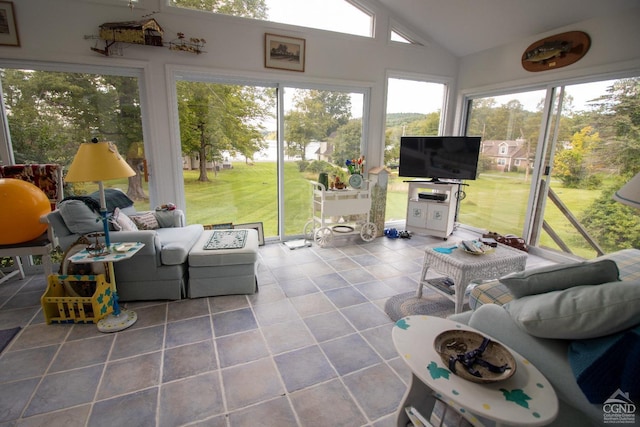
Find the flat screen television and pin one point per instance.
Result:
(439, 157)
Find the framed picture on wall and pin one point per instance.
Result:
(285, 53)
(8, 25)
(256, 226)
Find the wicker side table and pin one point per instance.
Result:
(463, 268)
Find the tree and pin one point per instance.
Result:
(613, 225)
(428, 125)
(316, 116)
(347, 142)
(572, 165)
(256, 9)
(298, 133)
(52, 112)
(127, 130)
(215, 118)
(617, 116)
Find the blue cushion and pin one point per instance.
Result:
(557, 277)
(78, 218)
(602, 366)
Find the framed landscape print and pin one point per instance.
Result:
(8, 26)
(285, 53)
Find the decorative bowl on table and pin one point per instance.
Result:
(474, 357)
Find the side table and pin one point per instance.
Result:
(120, 318)
(525, 399)
(463, 268)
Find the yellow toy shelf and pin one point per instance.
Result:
(59, 307)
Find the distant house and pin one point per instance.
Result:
(146, 32)
(325, 151)
(507, 155)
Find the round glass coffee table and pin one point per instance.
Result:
(525, 399)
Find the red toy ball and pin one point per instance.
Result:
(21, 206)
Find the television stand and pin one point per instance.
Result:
(427, 212)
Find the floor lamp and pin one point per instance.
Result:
(97, 162)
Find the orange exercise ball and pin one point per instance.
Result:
(21, 206)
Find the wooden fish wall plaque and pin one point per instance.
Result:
(556, 51)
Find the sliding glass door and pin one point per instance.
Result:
(414, 107)
(249, 150)
(550, 161)
(509, 126)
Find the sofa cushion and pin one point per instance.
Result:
(79, 218)
(174, 218)
(177, 242)
(122, 222)
(560, 276)
(580, 312)
(145, 221)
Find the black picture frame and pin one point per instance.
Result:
(284, 53)
(8, 25)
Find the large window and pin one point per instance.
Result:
(332, 15)
(50, 113)
(548, 174)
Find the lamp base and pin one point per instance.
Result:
(115, 323)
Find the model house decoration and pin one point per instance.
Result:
(145, 32)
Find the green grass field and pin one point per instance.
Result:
(248, 193)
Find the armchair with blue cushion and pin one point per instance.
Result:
(578, 323)
(159, 270)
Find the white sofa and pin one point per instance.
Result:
(159, 271)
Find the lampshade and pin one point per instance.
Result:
(98, 161)
(629, 194)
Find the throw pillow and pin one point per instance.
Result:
(146, 221)
(122, 221)
(579, 312)
(560, 276)
(79, 218)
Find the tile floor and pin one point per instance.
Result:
(311, 348)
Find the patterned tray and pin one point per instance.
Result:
(226, 239)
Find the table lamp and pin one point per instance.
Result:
(100, 161)
(629, 194)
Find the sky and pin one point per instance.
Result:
(313, 13)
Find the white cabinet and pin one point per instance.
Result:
(431, 208)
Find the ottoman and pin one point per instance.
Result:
(223, 271)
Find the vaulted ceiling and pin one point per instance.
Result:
(468, 26)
